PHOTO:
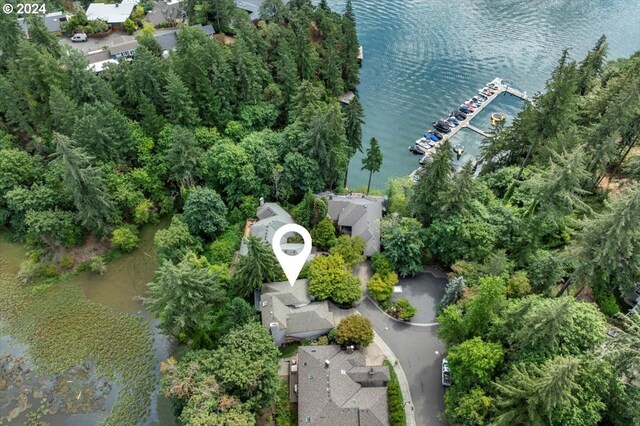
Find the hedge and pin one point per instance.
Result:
(394, 398)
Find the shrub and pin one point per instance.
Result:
(381, 264)
(144, 212)
(402, 309)
(394, 398)
(224, 248)
(284, 415)
(125, 238)
(607, 303)
(381, 286)
(324, 234)
(354, 330)
(350, 248)
(129, 26)
(66, 262)
(97, 265)
(453, 292)
(518, 285)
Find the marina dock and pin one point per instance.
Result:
(466, 123)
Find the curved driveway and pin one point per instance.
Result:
(415, 346)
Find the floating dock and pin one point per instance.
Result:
(466, 123)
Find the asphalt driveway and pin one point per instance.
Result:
(424, 291)
(420, 353)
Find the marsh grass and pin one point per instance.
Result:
(63, 330)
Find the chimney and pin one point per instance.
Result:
(371, 372)
(350, 349)
(326, 363)
(261, 201)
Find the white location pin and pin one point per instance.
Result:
(291, 264)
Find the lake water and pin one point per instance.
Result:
(119, 289)
(423, 58)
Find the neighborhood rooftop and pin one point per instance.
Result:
(290, 315)
(111, 13)
(359, 216)
(336, 387)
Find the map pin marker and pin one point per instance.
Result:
(291, 264)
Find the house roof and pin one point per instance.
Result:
(315, 316)
(252, 7)
(111, 13)
(331, 394)
(291, 295)
(360, 213)
(168, 41)
(51, 22)
(271, 217)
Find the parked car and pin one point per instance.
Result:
(79, 37)
(446, 374)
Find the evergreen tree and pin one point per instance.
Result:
(558, 189)
(591, 66)
(372, 161)
(554, 111)
(63, 111)
(459, 197)
(10, 35)
(237, 313)
(104, 132)
(273, 11)
(178, 104)
(348, 11)
(354, 119)
(624, 350)
(257, 267)
(185, 296)
(327, 143)
(607, 250)
(250, 71)
(561, 391)
(436, 178)
(85, 183)
(40, 36)
(184, 157)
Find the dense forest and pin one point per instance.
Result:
(86, 160)
(554, 212)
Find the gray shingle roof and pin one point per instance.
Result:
(329, 395)
(314, 316)
(291, 295)
(361, 214)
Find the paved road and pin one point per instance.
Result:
(415, 348)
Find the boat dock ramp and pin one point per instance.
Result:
(499, 88)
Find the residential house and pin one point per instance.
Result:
(270, 217)
(113, 14)
(289, 313)
(336, 387)
(252, 7)
(358, 215)
(52, 21)
(167, 39)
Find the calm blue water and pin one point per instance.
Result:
(424, 57)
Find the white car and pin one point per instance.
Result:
(78, 37)
(446, 374)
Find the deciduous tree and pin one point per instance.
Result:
(354, 330)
